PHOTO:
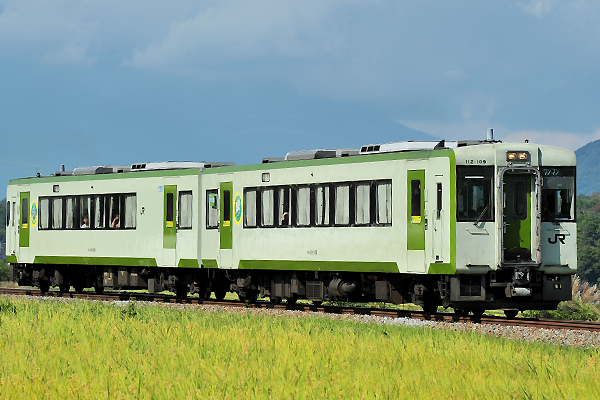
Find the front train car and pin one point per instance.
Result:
(516, 246)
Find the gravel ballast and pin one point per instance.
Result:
(560, 337)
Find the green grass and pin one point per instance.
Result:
(82, 349)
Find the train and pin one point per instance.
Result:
(474, 225)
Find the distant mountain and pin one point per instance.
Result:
(588, 168)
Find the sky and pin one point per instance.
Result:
(105, 82)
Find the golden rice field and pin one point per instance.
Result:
(79, 349)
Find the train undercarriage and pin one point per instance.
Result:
(510, 289)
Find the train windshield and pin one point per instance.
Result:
(558, 191)
(474, 193)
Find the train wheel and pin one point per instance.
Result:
(291, 301)
(78, 288)
(180, 293)
(457, 315)
(511, 313)
(64, 288)
(478, 313)
(44, 287)
(99, 289)
(430, 306)
(220, 294)
(317, 303)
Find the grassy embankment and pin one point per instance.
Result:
(82, 349)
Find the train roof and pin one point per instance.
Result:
(303, 155)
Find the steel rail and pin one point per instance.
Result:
(390, 313)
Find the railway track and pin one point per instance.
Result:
(393, 313)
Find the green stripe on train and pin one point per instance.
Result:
(11, 259)
(206, 263)
(68, 260)
(334, 266)
(188, 263)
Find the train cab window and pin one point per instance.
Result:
(251, 205)
(185, 210)
(474, 193)
(57, 213)
(415, 199)
(342, 204)
(212, 209)
(558, 191)
(7, 212)
(384, 203)
(362, 211)
(267, 208)
(303, 206)
(284, 216)
(322, 205)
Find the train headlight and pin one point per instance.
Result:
(522, 156)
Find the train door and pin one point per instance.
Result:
(170, 226)
(417, 221)
(519, 216)
(438, 218)
(225, 224)
(24, 224)
(12, 229)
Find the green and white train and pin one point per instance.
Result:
(475, 225)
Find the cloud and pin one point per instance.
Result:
(231, 31)
(539, 8)
(569, 140)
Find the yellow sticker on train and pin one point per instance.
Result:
(416, 219)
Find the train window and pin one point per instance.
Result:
(342, 204)
(520, 199)
(474, 193)
(384, 203)
(439, 201)
(212, 209)
(130, 210)
(250, 207)
(44, 213)
(25, 211)
(7, 212)
(283, 206)
(57, 213)
(303, 206)
(362, 213)
(114, 210)
(99, 220)
(185, 210)
(267, 207)
(415, 199)
(322, 205)
(558, 190)
(85, 206)
(70, 212)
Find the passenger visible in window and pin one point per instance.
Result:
(285, 219)
(115, 222)
(86, 223)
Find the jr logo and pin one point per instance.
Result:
(559, 237)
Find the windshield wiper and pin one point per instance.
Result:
(481, 215)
